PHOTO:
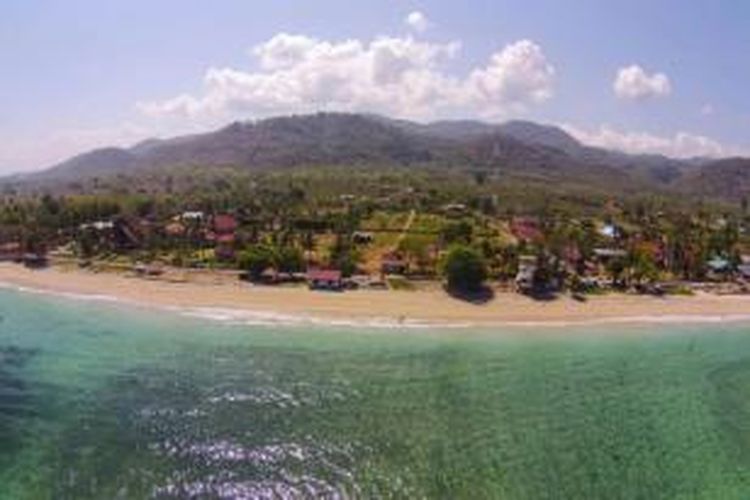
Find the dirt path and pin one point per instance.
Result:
(405, 229)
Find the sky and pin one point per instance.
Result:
(643, 76)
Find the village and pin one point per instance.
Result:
(352, 242)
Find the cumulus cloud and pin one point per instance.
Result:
(679, 145)
(398, 76)
(418, 21)
(634, 83)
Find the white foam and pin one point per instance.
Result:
(68, 295)
(268, 318)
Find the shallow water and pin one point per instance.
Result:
(104, 401)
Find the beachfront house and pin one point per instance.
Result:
(325, 279)
(527, 266)
(35, 260)
(743, 270)
(127, 233)
(224, 227)
(718, 268)
(393, 264)
(10, 252)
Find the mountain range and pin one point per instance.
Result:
(517, 149)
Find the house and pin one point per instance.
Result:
(100, 226)
(225, 246)
(393, 264)
(225, 224)
(454, 209)
(126, 234)
(718, 268)
(192, 216)
(609, 231)
(325, 279)
(526, 229)
(148, 270)
(35, 260)
(10, 252)
(605, 255)
(744, 271)
(527, 266)
(174, 229)
(224, 228)
(362, 238)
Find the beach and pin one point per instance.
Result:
(207, 292)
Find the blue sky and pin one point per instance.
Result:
(664, 76)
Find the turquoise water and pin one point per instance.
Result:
(104, 401)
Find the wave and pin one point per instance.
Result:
(68, 295)
(268, 318)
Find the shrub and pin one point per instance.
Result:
(464, 269)
(255, 260)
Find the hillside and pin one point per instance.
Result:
(727, 179)
(517, 149)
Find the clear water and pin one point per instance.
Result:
(102, 401)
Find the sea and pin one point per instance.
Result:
(105, 400)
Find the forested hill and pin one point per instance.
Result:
(515, 149)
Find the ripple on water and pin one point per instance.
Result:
(259, 395)
(289, 470)
(217, 487)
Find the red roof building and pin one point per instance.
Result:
(225, 239)
(224, 224)
(325, 279)
(526, 229)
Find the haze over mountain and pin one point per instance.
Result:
(516, 148)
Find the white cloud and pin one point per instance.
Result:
(634, 83)
(518, 75)
(679, 145)
(418, 21)
(398, 76)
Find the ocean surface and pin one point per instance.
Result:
(105, 401)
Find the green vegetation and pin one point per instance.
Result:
(464, 269)
(356, 219)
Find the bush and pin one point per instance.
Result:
(290, 260)
(457, 232)
(464, 268)
(255, 260)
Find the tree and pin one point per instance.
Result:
(256, 259)
(290, 259)
(616, 269)
(643, 266)
(344, 256)
(415, 248)
(464, 268)
(457, 232)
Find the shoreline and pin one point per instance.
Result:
(234, 301)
